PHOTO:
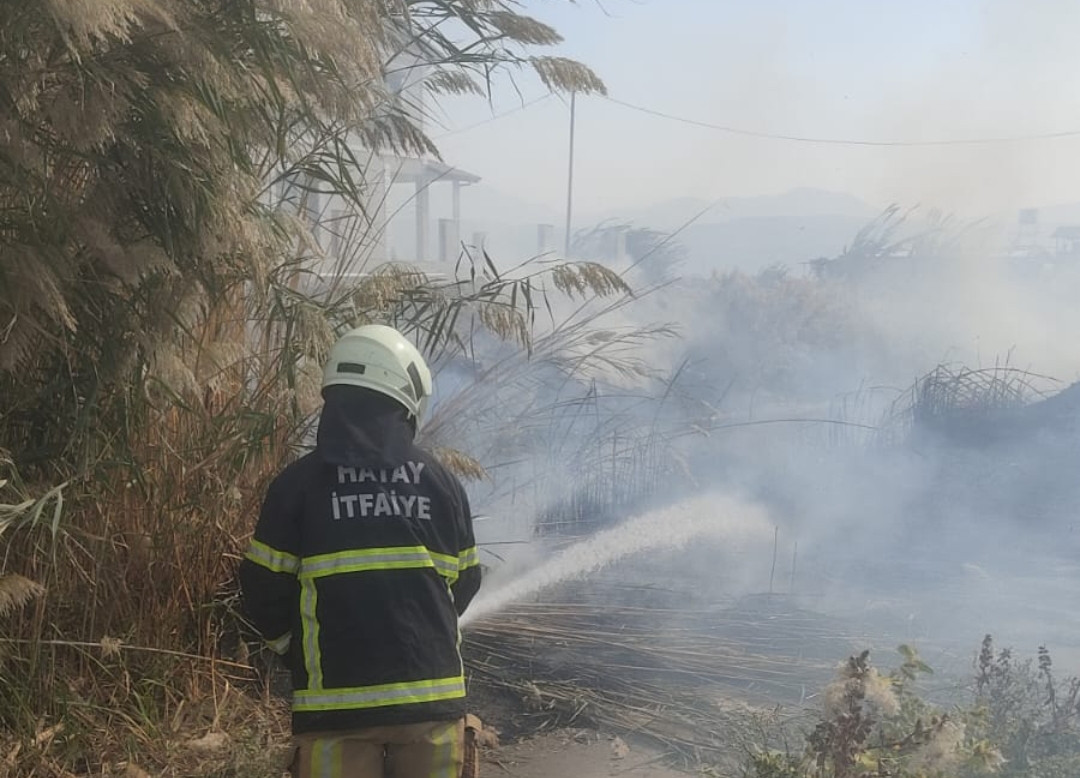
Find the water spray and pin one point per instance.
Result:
(722, 517)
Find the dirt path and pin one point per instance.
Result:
(574, 753)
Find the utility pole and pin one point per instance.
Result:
(775, 544)
(794, 564)
(570, 177)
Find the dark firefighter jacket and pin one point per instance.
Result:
(362, 560)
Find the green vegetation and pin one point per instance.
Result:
(1017, 721)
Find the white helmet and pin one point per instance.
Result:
(381, 359)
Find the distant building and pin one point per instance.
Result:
(1028, 232)
(350, 237)
(422, 175)
(1041, 245)
(1067, 239)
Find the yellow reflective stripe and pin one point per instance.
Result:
(359, 697)
(446, 565)
(317, 757)
(446, 761)
(309, 601)
(280, 645)
(360, 560)
(355, 561)
(470, 557)
(457, 758)
(338, 759)
(271, 558)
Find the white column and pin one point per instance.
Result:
(423, 208)
(449, 240)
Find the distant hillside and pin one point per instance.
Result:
(753, 243)
(750, 233)
(797, 203)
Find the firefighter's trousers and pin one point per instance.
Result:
(430, 750)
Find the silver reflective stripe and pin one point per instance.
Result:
(356, 562)
(470, 557)
(447, 566)
(377, 696)
(271, 558)
(329, 762)
(446, 762)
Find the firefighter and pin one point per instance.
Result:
(362, 561)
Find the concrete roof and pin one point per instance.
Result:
(409, 169)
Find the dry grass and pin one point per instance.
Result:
(700, 684)
(460, 463)
(137, 623)
(145, 138)
(161, 347)
(770, 330)
(16, 591)
(948, 390)
(963, 404)
(140, 723)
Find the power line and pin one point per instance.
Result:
(843, 141)
(494, 118)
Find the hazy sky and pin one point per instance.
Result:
(913, 70)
